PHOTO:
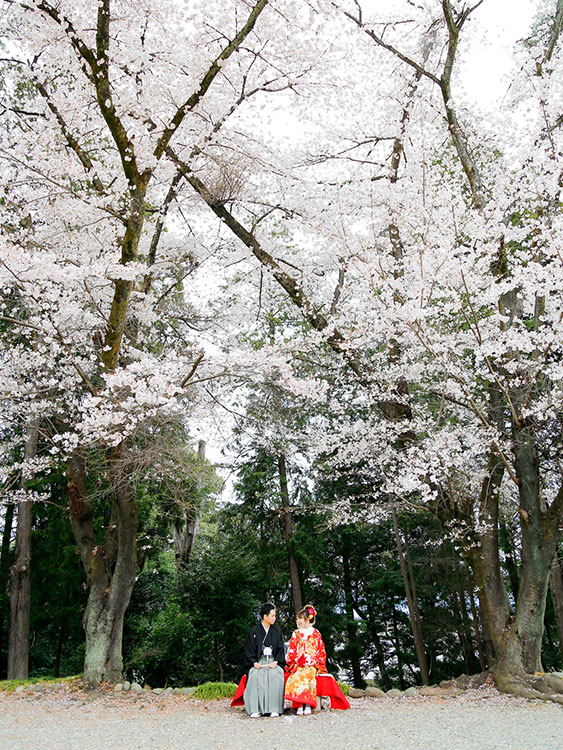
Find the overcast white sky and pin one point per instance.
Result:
(488, 68)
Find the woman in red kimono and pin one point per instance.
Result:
(306, 657)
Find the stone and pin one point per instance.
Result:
(136, 688)
(91, 695)
(374, 692)
(411, 692)
(553, 681)
(36, 688)
(20, 688)
(157, 691)
(427, 690)
(187, 691)
(175, 691)
(463, 680)
(126, 686)
(393, 693)
(478, 679)
(168, 691)
(118, 688)
(356, 693)
(557, 674)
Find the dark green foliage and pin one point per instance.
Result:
(190, 628)
(57, 586)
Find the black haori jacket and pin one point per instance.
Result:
(256, 639)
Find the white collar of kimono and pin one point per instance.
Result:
(306, 631)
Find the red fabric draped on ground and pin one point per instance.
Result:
(326, 687)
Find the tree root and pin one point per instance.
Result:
(543, 687)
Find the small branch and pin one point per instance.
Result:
(70, 139)
(191, 373)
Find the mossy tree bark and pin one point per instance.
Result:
(110, 565)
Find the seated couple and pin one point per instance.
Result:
(264, 657)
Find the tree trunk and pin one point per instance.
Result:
(398, 652)
(415, 624)
(185, 533)
(218, 660)
(288, 534)
(354, 649)
(516, 635)
(511, 566)
(20, 573)
(110, 567)
(556, 587)
(4, 575)
(476, 621)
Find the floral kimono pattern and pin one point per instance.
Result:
(306, 657)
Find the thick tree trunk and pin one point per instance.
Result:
(20, 574)
(288, 534)
(110, 567)
(185, 533)
(516, 635)
(556, 587)
(507, 547)
(476, 622)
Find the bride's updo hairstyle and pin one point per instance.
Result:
(308, 613)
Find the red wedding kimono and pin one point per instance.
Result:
(306, 657)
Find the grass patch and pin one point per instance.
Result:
(8, 686)
(213, 690)
(344, 687)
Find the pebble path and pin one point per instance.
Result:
(482, 719)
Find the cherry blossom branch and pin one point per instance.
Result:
(555, 30)
(393, 409)
(70, 138)
(208, 79)
(191, 373)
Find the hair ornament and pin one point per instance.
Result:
(312, 612)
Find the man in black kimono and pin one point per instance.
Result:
(264, 659)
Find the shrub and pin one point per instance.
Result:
(214, 690)
(344, 687)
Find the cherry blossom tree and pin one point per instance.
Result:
(104, 110)
(429, 262)
(420, 243)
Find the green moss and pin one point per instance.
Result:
(214, 690)
(8, 686)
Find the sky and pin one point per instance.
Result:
(488, 68)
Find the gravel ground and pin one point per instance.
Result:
(67, 719)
